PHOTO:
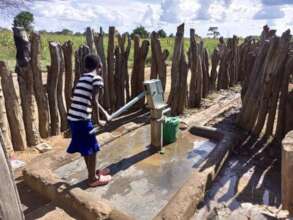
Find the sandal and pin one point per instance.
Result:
(104, 172)
(101, 181)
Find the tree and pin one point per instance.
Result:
(171, 35)
(65, 31)
(213, 31)
(24, 19)
(141, 31)
(162, 33)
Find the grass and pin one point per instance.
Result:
(8, 52)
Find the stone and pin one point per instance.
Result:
(43, 147)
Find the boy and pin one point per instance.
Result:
(87, 90)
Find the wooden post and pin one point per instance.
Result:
(282, 113)
(4, 127)
(14, 115)
(99, 42)
(10, 206)
(121, 69)
(52, 86)
(214, 71)
(111, 67)
(250, 100)
(60, 91)
(26, 85)
(41, 97)
(225, 65)
(89, 34)
(159, 57)
(178, 94)
(195, 64)
(273, 66)
(67, 53)
(287, 178)
(80, 55)
(205, 70)
(137, 77)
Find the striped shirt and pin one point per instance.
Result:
(82, 97)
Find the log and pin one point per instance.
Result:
(137, 77)
(14, 115)
(26, 86)
(61, 93)
(111, 67)
(196, 81)
(41, 97)
(89, 34)
(67, 49)
(158, 61)
(4, 126)
(52, 86)
(99, 43)
(178, 93)
(225, 66)
(10, 206)
(80, 55)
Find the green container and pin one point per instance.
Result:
(170, 129)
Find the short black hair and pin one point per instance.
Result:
(92, 62)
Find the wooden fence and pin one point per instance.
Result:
(40, 111)
(266, 66)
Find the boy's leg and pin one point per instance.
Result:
(91, 167)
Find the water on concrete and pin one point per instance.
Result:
(243, 181)
(143, 179)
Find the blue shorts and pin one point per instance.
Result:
(82, 141)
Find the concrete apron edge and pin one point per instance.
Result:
(45, 182)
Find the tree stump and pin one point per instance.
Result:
(14, 115)
(26, 85)
(60, 91)
(99, 42)
(89, 34)
(195, 64)
(52, 86)
(41, 97)
(67, 53)
(4, 127)
(137, 77)
(111, 67)
(159, 57)
(178, 94)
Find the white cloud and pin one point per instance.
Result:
(242, 17)
(269, 12)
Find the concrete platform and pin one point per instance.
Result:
(143, 179)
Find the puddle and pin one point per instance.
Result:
(143, 180)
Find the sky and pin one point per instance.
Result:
(240, 17)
